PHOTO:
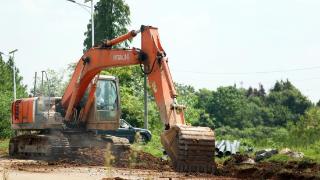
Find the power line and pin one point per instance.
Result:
(250, 73)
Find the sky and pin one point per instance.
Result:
(210, 43)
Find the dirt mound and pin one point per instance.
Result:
(269, 170)
(141, 160)
(103, 157)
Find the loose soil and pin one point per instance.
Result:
(268, 170)
(94, 163)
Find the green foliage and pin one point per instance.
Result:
(4, 146)
(225, 106)
(5, 104)
(110, 20)
(188, 97)
(288, 102)
(154, 146)
(312, 152)
(307, 130)
(131, 93)
(302, 136)
(279, 158)
(246, 108)
(260, 136)
(53, 86)
(6, 95)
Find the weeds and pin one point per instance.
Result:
(154, 146)
(5, 174)
(109, 159)
(4, 145)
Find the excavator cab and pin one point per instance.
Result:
(105, 112)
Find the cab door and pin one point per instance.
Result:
(107, 101)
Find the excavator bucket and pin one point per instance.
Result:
(190, 148)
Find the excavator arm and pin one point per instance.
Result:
(190, 148)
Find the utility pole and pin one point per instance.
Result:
(35, 84)
(92, 22)
(92, 16)
(145, 102)
(14, 74)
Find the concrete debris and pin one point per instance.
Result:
(265, 154)
(227, 148)
(248, 161)
(289, 152)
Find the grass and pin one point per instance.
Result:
(275, 138)
(311, 153)
(153, 147)
(221, 160)
(4, 145)
(282, 158)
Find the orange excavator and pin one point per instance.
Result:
(51, 126)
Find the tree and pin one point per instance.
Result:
(261, 91)
(187, 96)
(243, 108)
(307, 130)
(311, 119)
(249, 92)
(285, 94)
(226, 106)
(111, 18)
(6, 94)
(53, 86)
(204, 98)
(205, 120)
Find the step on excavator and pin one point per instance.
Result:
(54, 126)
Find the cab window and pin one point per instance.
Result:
(106, 100)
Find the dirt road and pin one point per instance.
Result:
(42, 170)
(90, 164)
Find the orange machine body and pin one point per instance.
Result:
(23, 111)
(35, 113)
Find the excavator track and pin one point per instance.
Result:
(36, 146)
(191, 149)
(57, 145)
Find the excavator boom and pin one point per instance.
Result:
(190, 148)
(78, 114)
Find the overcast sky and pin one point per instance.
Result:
(209, 43)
